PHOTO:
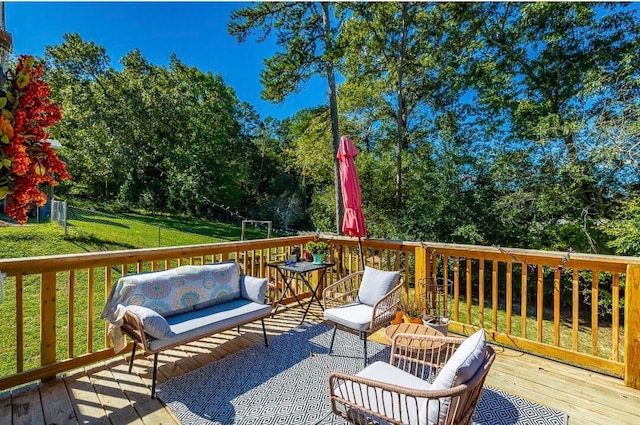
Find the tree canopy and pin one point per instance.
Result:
(513, 124)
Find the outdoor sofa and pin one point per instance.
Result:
(164, 309)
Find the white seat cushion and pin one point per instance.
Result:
(405, 411)
(354, 316)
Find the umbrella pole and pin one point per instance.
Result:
(361, 252)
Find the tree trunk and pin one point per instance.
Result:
(333, 104)
(400, 123)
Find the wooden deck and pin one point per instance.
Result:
(105, 393)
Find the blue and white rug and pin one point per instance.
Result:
(287, 384)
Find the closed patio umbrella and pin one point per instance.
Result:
(353, 223)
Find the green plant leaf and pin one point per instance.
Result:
(7, 113)
(22, 79)
(3, 102)
(5, 139)
(4, 191)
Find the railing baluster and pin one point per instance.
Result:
(509, 297)
(397, 260)
(481, 291)
(523, 300)
(556, 307)
(456, 289)
(575, 313)
(107, 290)
(469, 293)
(615, 316)
(594, 311)
(388, 259)
(71, 314)
(494, 296)
(445, 280)
(19, 323)
(254, 262)
(48, 320)
(90, 302)
(540, 303)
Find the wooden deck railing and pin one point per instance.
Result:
(50, 319)
(560, 305)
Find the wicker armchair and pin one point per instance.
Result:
(406, 390)
(350, 304)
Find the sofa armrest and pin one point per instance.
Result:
(132, 326)
(253, 288)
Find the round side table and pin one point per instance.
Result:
(415, 329)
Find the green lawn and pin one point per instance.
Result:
(91, 232)
(87, 232)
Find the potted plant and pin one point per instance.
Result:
(411, 309)
(318, 250)
(437, 304)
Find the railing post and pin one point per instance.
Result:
(48, 320)
(632, 327)
(422, 271)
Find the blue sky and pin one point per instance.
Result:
(195, 32)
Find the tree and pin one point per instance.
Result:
(168, 138)
(534, 71)
(396, 62)
(305, 32)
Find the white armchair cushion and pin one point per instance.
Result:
(376, 284)
(460, 368)
(354, 316)
(384, 372)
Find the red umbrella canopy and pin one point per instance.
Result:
(353, 223)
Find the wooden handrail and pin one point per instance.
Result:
(51, 263)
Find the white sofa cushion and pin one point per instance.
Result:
(253, 288)
(376, 284)
(196, 324)
(460, 368)
(175, 291)
(218, 282)
(153, 323)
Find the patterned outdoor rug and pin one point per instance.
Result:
(286, 384)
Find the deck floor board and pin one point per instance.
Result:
(56, 404)
(105, 393)
(5, 408)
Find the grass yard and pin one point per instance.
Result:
(87, 232)
(92, 232)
